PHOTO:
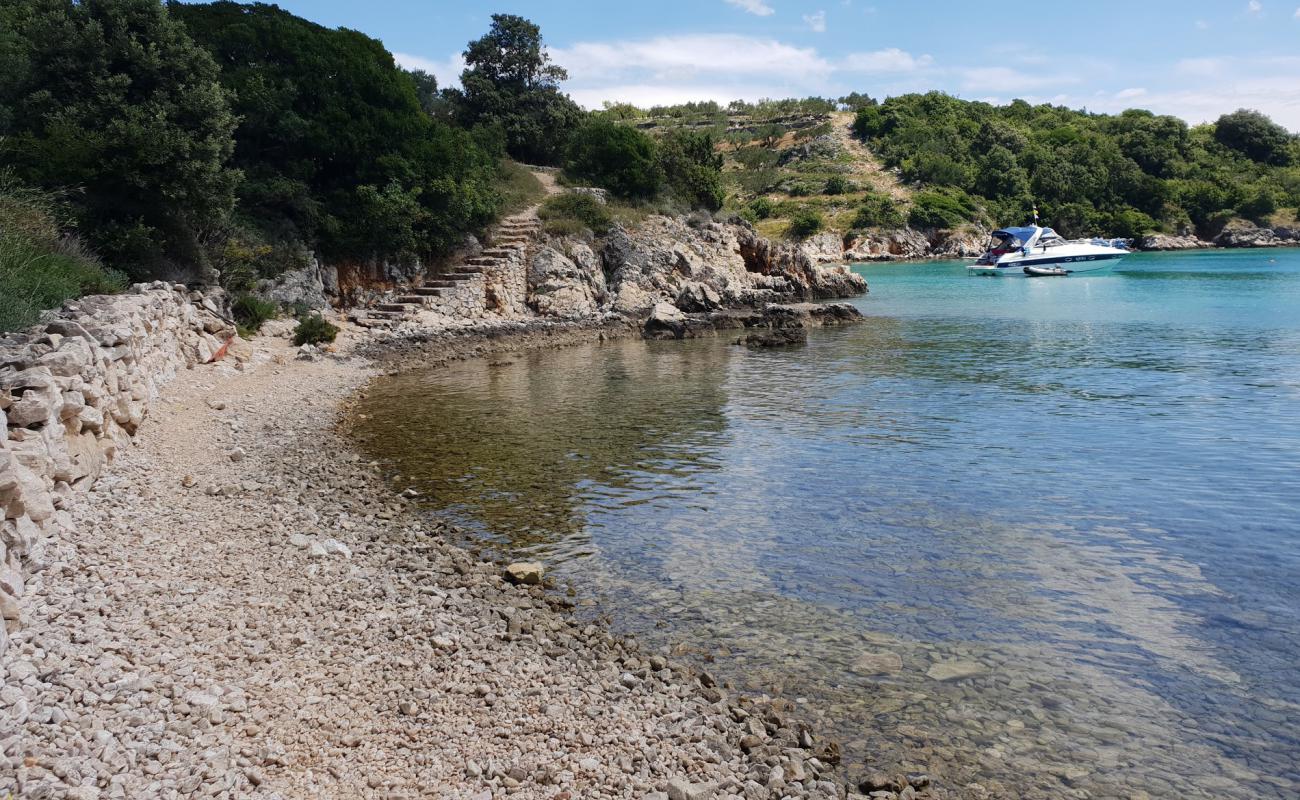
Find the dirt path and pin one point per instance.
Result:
(865, 164)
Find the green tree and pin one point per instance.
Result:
(510, 80)
(692, 168)
(337, 149)
(112, 98)
(1255, 135)
(615, 157)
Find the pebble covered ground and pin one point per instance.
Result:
(246, 611)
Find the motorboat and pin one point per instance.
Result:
(1042, 252)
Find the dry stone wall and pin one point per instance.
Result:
(71, 392)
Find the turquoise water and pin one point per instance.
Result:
(1042, 535)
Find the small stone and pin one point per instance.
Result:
(589, 764)
(189, 482)
(682, 789)
(299, 540)
(955, 670)
(237, 455)
(883, 663)
(408, 708)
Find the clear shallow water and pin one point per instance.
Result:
(1040, 535)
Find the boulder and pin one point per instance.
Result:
(299, 287)
(698, 297)
(883, 663)
(666, 322)
(1246, 235)
(526, 573)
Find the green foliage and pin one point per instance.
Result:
(837, 184)
(338, 152)
(805, 222)
(40, 266)
(942, 209)
(314, 329)
(509, 80)
(878, 211)
(115, 98)
(1088, 172)
(572, 213)
(692, 168)
(856, 101)
(615, 157)
(1255, 135)
(250, 312)
(762, 208)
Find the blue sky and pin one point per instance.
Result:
(1196, 59)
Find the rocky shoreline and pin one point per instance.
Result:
(243, 608)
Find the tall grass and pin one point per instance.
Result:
(41, 266)
(518, 186)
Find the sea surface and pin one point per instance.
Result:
(1040, 535)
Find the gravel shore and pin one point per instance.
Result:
(246, 611)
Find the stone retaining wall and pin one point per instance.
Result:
(71, 391)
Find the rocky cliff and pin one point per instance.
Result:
(697, 268)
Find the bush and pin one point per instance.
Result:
(314, 329)
(691, 168)
(250, 311)
(837, 184)
(936, 209)
(762, 208)
(40, 267)
(572, 212)
(878, 211)
(615, 157)
(805, 223)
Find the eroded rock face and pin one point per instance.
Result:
(1247, 236)
(305, 287)
(568, 286)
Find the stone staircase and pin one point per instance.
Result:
(469, 289)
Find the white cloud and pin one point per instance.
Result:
(1296, 15)
(888, 60)
(1129, 94)
(756, 7)
(677, 58)
(817, 21)
(1202, 25)
(446, 71)
(1254, 7)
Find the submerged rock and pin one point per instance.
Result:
(780, 337)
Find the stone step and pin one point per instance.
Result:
(396, 308)
(411, 299)
(387, 315)
(481, 261)
(503, 252)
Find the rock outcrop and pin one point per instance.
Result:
(1165, 241)
(569, 284)
(1239, 234)
(72, 391)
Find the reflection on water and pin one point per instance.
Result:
(1038, 535)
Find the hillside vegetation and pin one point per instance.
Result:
(935, 161)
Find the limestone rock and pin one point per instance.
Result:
(883, 663)
(527, 573)
(955, 670)
(666, 322)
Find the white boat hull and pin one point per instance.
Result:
(1073, 258)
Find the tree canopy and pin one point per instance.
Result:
(113, 100)
(510, 82)
(1124, 173)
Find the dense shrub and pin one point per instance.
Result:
(934, 209)
(314, 329)
(40, 267)
(878, 211)
(836, 184)
(615, 157)
(692, 169)
(250, 312)
(805, 222)
(572, 212)
(761, 207)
